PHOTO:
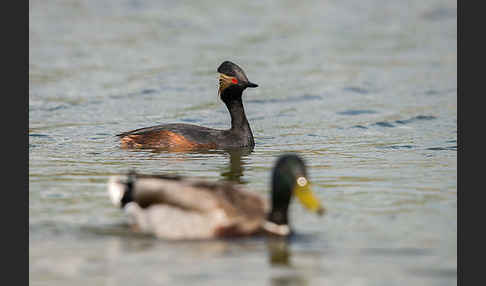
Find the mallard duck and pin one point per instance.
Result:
(175, 207)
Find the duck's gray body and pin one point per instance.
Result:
(176, 208)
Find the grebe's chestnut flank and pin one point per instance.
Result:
(180, 136)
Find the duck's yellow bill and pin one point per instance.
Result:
(303, 191)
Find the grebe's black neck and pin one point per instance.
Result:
(239, 123)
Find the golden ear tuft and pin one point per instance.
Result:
(225, 81)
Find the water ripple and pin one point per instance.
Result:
(416, 118)
(356, 89)
(448, 148)
(356, 112)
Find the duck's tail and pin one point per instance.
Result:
(120, 189)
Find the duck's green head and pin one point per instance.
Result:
(289, 179)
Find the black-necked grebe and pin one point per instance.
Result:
(232, 83)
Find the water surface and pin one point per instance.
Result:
(365, 91)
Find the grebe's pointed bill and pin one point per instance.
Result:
(251, 84)
(304, 192)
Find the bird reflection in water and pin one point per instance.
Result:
(278, 250)
(279, 257)
(234, 170)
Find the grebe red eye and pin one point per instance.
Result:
(234, 80)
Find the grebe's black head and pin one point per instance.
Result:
(290, 178)
(232, 78)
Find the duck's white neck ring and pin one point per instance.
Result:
(277, 229)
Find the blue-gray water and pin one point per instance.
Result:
(365, 91)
